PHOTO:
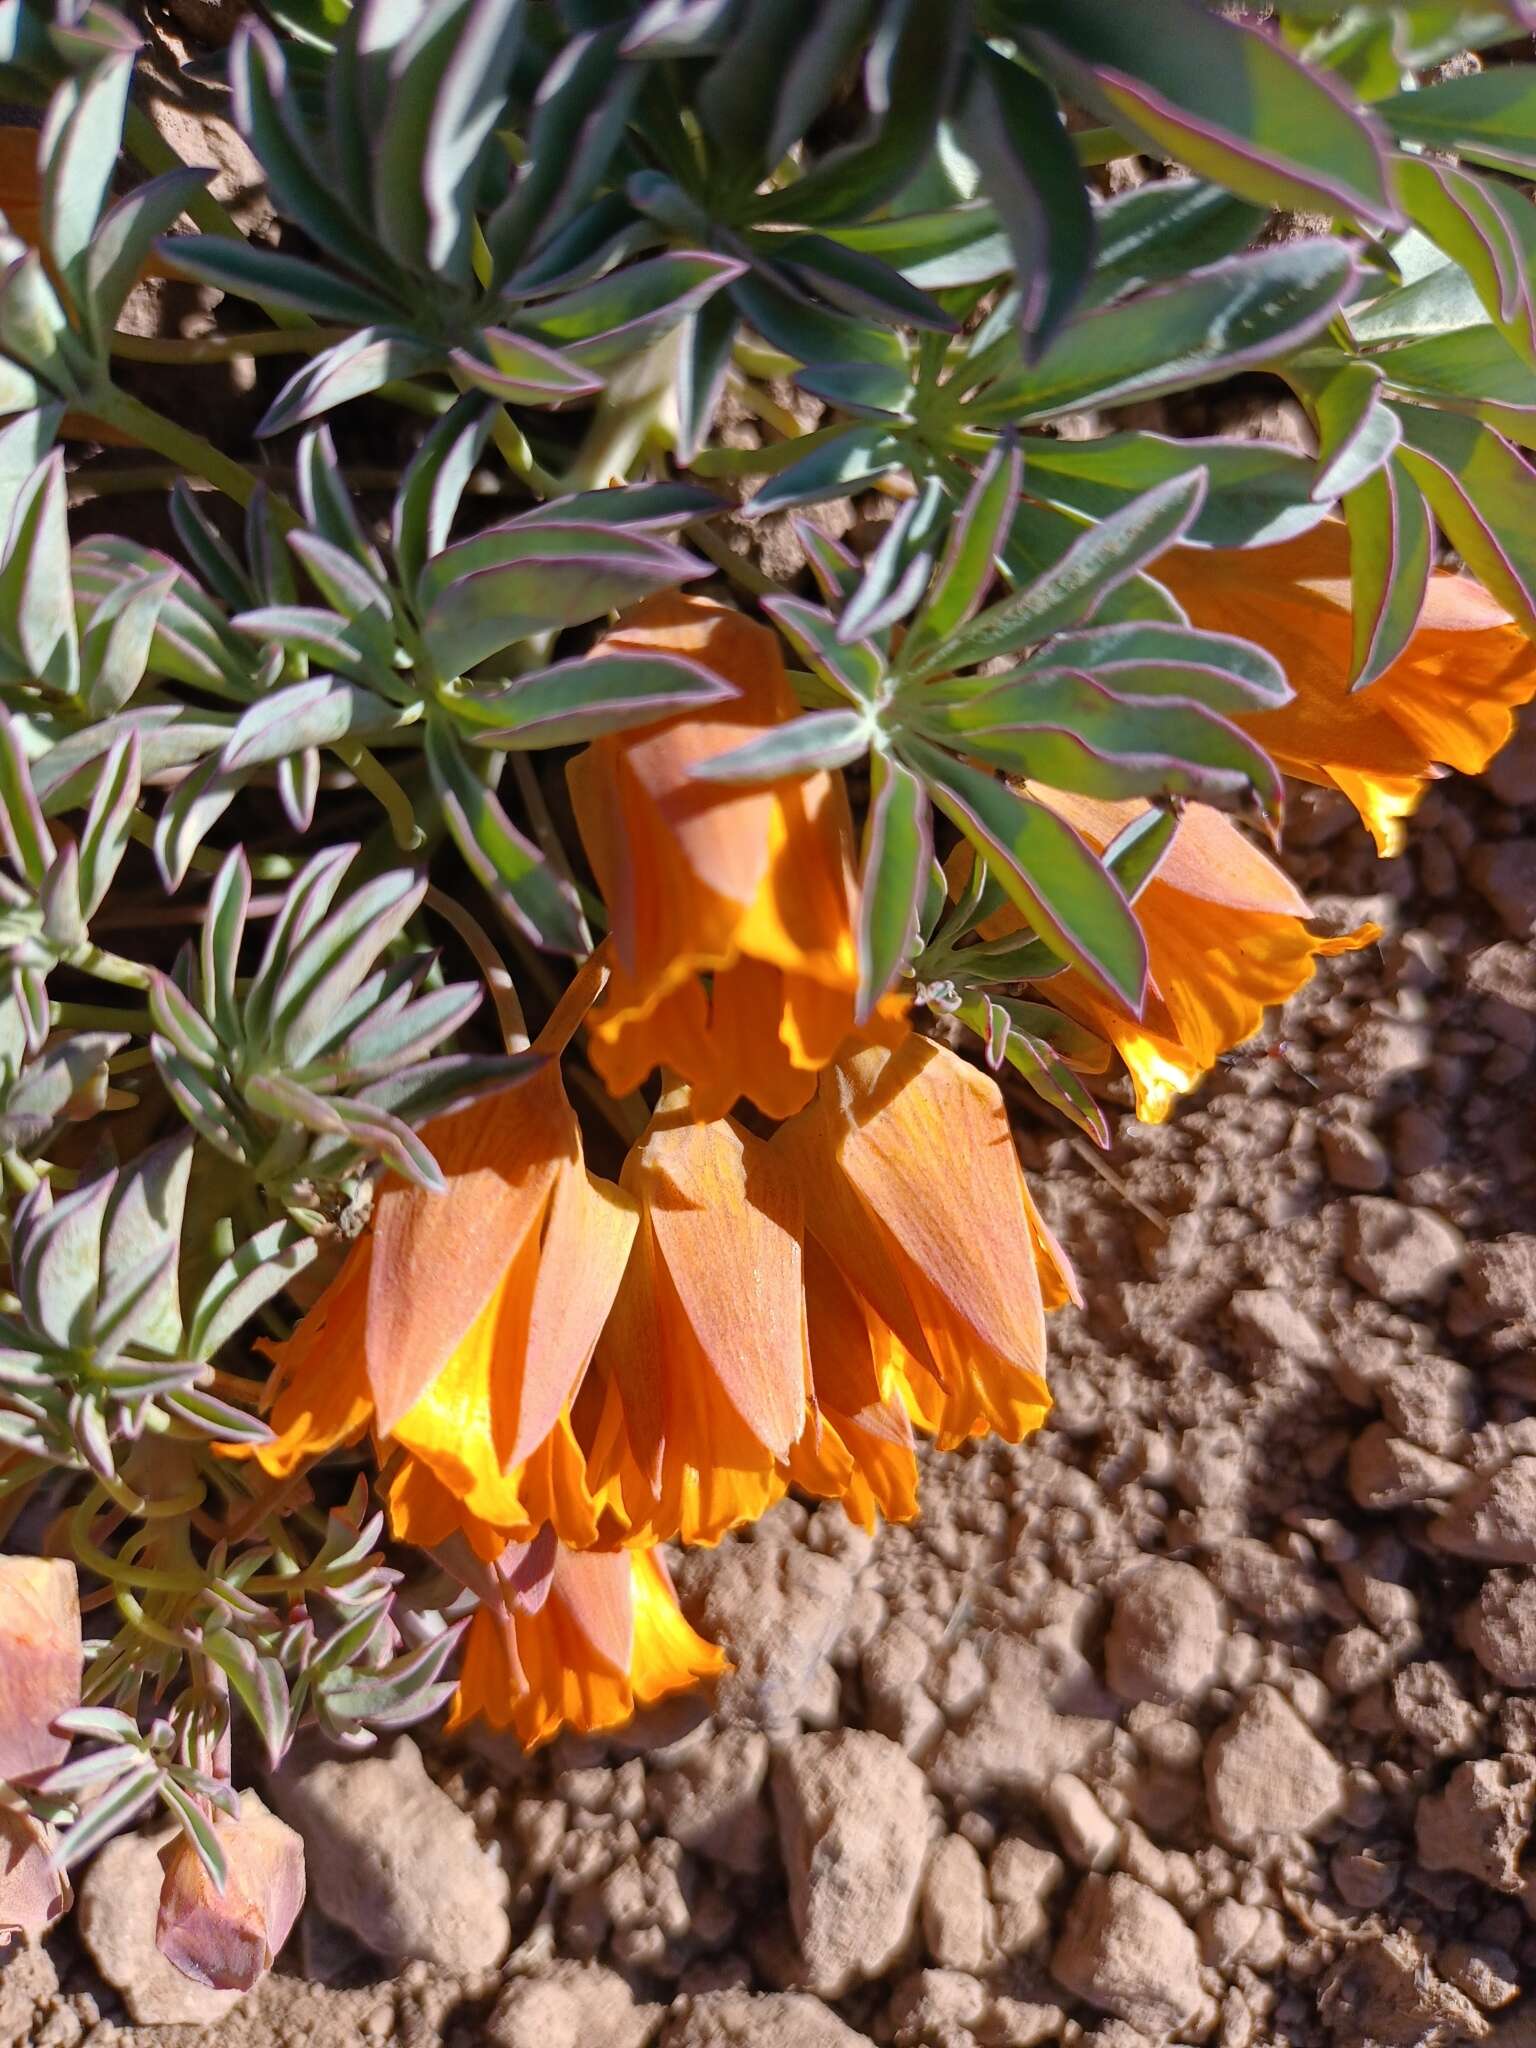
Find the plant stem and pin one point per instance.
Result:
(96, 1017)
(110, 967)
(509, 1010)
(392, 799)
(224, 348)
(188, 451)
(743, 573)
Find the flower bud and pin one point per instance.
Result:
(228, 1940)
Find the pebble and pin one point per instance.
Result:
(956, 1911)
(1267, 1773)
(1504, 873)
(393, 1860)
(1400, 1254)
(1481, 1821)
(1130, 1953)
(1021, 1877)
(737, 2019)
(1165, 1634)
(570, 2005)
(776, 1610)
(1500, 1627)
(1387, 1471)
(712, 1802)
(1493, 1517)
(853, 1827)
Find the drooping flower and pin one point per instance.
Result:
(1227, 938)
(460, 1328)
(598, 1634)
(1447, 700)
(702, 1370)
(731, 906)
(913, 1189)
(41, 1666)
(229, 1940)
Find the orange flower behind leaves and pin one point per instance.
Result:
(913, 1189)
(461, 1327)
(731, 906)
(1226, 939)
(1448, 699)
(608, 1637)
(41, 1662)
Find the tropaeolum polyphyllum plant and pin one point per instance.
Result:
(362, 1341)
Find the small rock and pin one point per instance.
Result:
(957, 1914)
(1269, 1320)
(1387, 1471)
(1165, 1635)
(1481, 1821)
(1430, 1707)
(853, 1824)
(1493, 1517)
(1355, 1158)
(1497, 1286)
(1489, 1976)
(936, 2009)
(712, 1802)
(1504, 872)
(737, 2019)
(1381, 1049)
(116, 1912)
(1397, 1253)
(776, 1609)
(892, 1668)
(1128, 1952)
(1232, 1932)
(1500, 1627)
(1385, 1993)
(1083, 1828)
(570, 2005)
(392, 1859)
(1013, 1739)
(1021, 1877)
(1267, 1773)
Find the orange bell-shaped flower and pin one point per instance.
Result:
(603, 1636)
(460, 1329)
(1448, 699)
(912, 1186)
(731, 906)
(229, 1939)
(1226, 932)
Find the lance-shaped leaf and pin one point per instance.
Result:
(835, 467)
(450, 91)
(853, 668)
(1148, 658)
(576, 700)
(1391, 549)
(1209, 325)
(1487, 116)
(969, 565)
(1218, 95)
(37, 603)
(1100, 559)
(1483, 493)
(601, 324)
(121, 247)
(1486, 227)
(371, 357)
(1165, 228)
(1066, 730)
(896, 858)
(520, 371)
(433, 485)
(1256, 493)
(271, 277)
(1003, 1024)
(1044, 868)
(317, 713)
(66, 1082)
(1356, 433)
(509, 867)
(801, 746)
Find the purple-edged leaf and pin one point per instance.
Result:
(1151, 659)
(463, 98)
(22, 826)
(969, 566)
(896, 574)
(190, 813)
(362, 363)
(316, 713)
(1472, 370)
(329, 513)
(434, 483)
(1256, 493)
(104, 836)
(220, 1421)
(1356, 433)
(324, 971)
(37, 601)
(1487, 116)
(854, 283)
(121, 246)
(1066, 730)
(1045, 870)
(703, 361)
(1483, 492)
(818, 337)
(1006, 1038)
(835, 567)
(834, 468)
(856, 669)
(1486, 227)
(603, 323)
(1101, 558)
(487, 593)
(297, 782)
(509, 867)
(819, 740)
(1136, 852)
(1220, 96)
(1165, 228)
(1206, 326)
(320, 635)
(576, 700)
(896, 858)
(256, 1270)
(680, 28)
(524, 372)
(379, 1045)
(269, 277)
(77, 154)
(638, 508)
(1391, 548)
(1013, 128)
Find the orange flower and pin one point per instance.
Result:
(229, 1939)
(749, 886)
(913, 1188)
(607, 1637)
(702, 1369)
(41, 1662)
(1226, 938)
(461, 1327)
(1448, 698)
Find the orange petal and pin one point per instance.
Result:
(228, 1940)
(319, 1397)
(34, 1891)
(41, 1662)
